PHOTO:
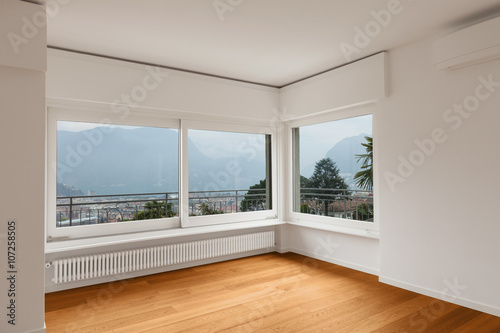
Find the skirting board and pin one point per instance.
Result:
(438, 295)
(333, 261)
(41, 330)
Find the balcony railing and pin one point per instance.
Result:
(99, 209)
(347, 204)
(231, 201)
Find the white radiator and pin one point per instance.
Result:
(105, 264)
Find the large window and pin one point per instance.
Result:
(110, 174)
(111, 178)
(333, 169)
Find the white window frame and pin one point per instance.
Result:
(197, 221)
(99, 113)
(302, 218)
(103, 116)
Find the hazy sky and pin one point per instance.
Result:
(218, 144)
(316, 140)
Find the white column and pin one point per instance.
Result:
(22, 165)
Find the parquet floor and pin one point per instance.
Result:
(268, 293)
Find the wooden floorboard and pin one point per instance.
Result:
(268, 293)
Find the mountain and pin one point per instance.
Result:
(343, 154)
(65, 191)
(144, 160)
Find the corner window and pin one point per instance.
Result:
(109, 174)
(333, 169)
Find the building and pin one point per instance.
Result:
(434, 129)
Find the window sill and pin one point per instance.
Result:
(96, 242)
(338, 229)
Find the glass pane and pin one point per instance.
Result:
(115, 173)
(228, 172)
(333, 169)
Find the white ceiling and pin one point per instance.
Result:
(272, 42)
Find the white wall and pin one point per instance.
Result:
(22, 173)
(353, 251)
(77, 77)
(439, 222)
(341, 91)
(23, 28)
(358, 83)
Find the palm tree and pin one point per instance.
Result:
(364, 178)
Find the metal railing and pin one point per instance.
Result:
(347, 204)
(226, 202)
(99, 209)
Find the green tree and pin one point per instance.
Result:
(326, 177)
(364, 212)
(155, 210)
(305, 182)
(255, 198)
(206, 209)
(364, 178)
(304, 208)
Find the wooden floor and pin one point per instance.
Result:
(268, 293)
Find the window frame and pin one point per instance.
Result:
(303, 218)
(98, 113)
(101, 116)
(198, 221)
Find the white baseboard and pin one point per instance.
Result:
(357, 267)
(438, 295)
(283, 250)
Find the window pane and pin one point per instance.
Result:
(228, 172)
(115, 173)
(333, 169)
